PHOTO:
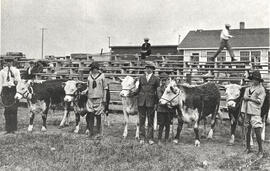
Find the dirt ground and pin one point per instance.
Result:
(61, 149)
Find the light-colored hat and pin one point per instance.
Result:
(227, 25)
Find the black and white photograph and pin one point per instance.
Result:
(154, 85)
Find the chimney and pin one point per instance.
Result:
(242, 25)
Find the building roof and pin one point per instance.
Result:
(139, 46)
(258, 37)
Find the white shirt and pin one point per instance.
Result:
(148, 76)
(225, 34)
(3, 77)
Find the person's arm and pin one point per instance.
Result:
(259, 100)
(105, 88)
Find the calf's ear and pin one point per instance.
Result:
(173, 90)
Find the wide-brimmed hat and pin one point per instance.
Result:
(146, 39)
(256, 75)
(94, 65)
(150, 66)
(163, 75)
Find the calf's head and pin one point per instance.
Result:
(233, 92)
(129, 86)
(24, 90)
(171, 95)
(72, 88)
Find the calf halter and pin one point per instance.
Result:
(170, 101)
(129, 89)
(27, 92)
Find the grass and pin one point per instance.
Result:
(63, 150)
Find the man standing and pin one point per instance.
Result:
(146, 49)
(147, 102)
(252, 103)
(9, 77)
(224, 42)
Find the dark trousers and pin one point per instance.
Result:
(90, 118)
(164, 120)
(224, 43)
(148, 112)
(11, 108)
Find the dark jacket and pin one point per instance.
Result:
(146, 47)
(147, 91)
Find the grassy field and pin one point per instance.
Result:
(61, 149)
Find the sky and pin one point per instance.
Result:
(83, 26)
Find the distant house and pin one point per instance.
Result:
(250, 44)
(157, 50)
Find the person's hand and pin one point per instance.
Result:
(245, 98)
(83, 92)
(155, 107)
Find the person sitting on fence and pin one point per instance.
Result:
(252, 102)
(164, 115)
(224, 42)
(146, 49)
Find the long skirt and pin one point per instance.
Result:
(11, 108)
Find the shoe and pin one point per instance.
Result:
(151, 142)
(248, 150)
(233, 59)
(141, 142)
(260, 154)
(159, 143)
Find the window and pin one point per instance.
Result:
(256, 56)
(220, 57)
(244, 55)
(194, 59)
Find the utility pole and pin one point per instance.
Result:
(42, 41)
(179, 38)
(109, 38)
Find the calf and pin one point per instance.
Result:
(193, 103)
(73, 95)
(129, 102)
(40, 95)
(234, 94)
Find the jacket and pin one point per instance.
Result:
(250, 107)
(147, 91)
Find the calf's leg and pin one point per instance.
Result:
(196, 130)
(32, 116)
(44, 118)
(126, 118)
(77, 128)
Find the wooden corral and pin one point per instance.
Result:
(193, 72)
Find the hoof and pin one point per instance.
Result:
(197, 143)
(43, 129)
(137, 138)
(175, 141)
(30, 128)
(124, 137)
(76, 131)
(210, 134)
(87, 132)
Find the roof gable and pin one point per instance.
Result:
(211, 38)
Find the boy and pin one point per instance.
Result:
(252, 102)
(164, 115)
